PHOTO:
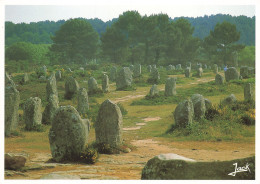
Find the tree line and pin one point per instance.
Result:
(40, 32)
(132, 38)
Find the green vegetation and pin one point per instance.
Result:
(205, 89)
(226, 123)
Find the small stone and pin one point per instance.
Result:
(32, 113)
(170, 86)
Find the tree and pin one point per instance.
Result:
(221, 40)
(75, 38)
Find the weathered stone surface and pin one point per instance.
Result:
(187, 72)
(149, 68)
(199, 72)
(178, 67)
(251, 71)
(231, 74)
(8, 80)
(71, 87)
(199, 65)
(105, 83)
(248, 95)
(188, 64)
(219, 79)
(54, 176)
(154, 91)
(215, 68)
(205, 66)
(113, 73)
(50, 109)
(137, 70)
(198, 105)
(169, 68)
(244, 71)
(229, 100)
(58, 75)
(208, 103)
(124, 78)
(170, 86)
(83, 105)
(183, 114)
(108, 125)
(131, 67)
(92, 85)
(14, 162)
(32, 113)
(81, 68)
(51, 87)
(12, 100)
(25, 78)
(69, 70)
(68, 134)
(173, 167)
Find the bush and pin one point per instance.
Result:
(212, 112)
(89, 155)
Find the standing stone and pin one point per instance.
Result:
(208, 103)
(50, 109)
(113, 73)
(229, 100)
(244, 71)
(199, 72)
(149, 68)
(108, 125)
(178, 67)
(42, 71)
(187, 72)
(169, 68)
(205, 66)
(199, 65)
(71, 87)
(170, 86)
(154, 67)
(248, 92)
(154, 91)
(137, 70)
(215, 68)
(92, 85)
(105, 83)
(51, 87)
(124, 78)
(231, 74)
(251, 71)
(25, 78)
(219, 80)
(155, 76)
(81, 68)
(131, 67)
(188, 64)
(198, 105)
(9, 81)
(58, 75)
(183, 114)
(83, 105)
(32, 113)
(68, 134)
(12, 100)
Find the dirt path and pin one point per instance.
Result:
(128, 166)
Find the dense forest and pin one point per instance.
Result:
(40, 32)
(132, 38)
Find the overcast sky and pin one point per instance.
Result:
(25, 13)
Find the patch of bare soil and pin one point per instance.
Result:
(151, 119)
(126, 98)
(129, 165)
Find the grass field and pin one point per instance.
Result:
(225, 135)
